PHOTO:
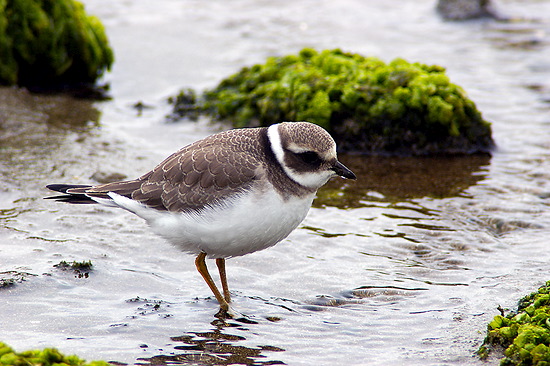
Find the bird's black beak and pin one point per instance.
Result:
(343, 171)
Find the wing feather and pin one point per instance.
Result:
(199, 175)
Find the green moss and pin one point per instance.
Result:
(11, 278)
(185, 103)
(7, 282)
(80, 269)
(50, 42)
(45, 357)
(369, 106)
(84, 265)
(525, 334)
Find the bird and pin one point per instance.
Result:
(229, 194)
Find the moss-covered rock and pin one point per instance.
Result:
(45, 357)
(51, 43)
(368, 106)
(524, 334)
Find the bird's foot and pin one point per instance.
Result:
(225, 312)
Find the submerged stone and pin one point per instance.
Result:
(465, 9)
(369, 106)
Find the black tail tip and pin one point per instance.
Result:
(63, 188)
(69, 197)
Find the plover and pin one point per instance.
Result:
(227, 195)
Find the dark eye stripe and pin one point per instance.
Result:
(309, 157)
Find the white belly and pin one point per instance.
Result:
(249, 224)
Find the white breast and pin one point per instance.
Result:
(251, 222)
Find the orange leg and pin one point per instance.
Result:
(203, 270)
(220, 262)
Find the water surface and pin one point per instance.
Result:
(405, 266)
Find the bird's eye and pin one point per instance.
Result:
(309, 157)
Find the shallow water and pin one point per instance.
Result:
(405, 266)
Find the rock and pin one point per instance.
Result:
(368, 106)
(51, 44)
(464, 9)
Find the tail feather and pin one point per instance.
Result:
(81, 193)
(78, 198)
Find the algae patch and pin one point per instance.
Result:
(45, 357)
(80, 269)
(369, 106)
(524, 334)
(11, 278)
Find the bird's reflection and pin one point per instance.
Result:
(216, 347)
